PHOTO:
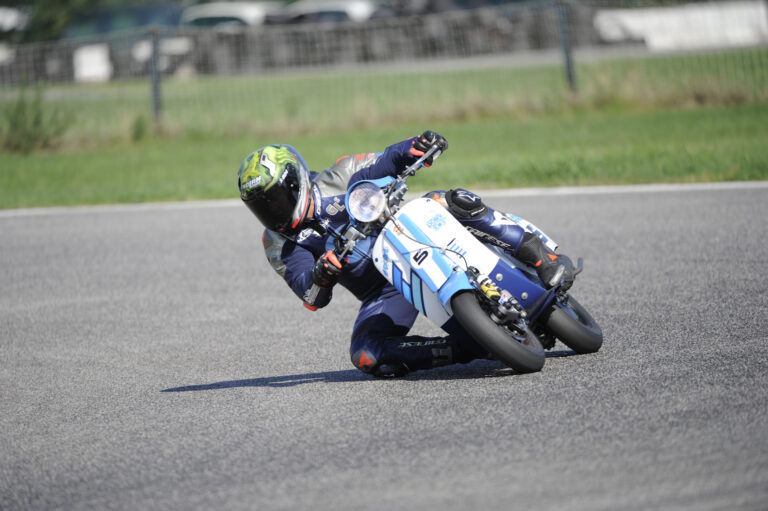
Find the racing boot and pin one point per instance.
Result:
(552, 268)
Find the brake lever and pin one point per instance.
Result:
(579, 266)
(434, 152)
(396, 190)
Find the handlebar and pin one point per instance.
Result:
(394, 194)
(397, 191)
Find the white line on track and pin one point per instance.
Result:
(508, 192)
(620, 189)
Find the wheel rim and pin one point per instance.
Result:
(519, 336)
(516, 347)
(572, 312)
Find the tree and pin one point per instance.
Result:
(49, 18)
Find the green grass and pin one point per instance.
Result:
(570, 148)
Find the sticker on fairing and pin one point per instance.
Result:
(436, 222)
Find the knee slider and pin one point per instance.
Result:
(465, 204)
(365, 361)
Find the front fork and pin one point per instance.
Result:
(506, 310)
(503, 308)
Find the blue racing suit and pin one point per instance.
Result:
(380, 344)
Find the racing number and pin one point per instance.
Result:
(419, 257)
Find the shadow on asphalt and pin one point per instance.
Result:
(290, 380)
(476, 369)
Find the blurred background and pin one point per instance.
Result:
(95, 73)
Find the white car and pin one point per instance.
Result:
(309, 11)
(242, 14)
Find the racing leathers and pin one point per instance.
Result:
(380, 344)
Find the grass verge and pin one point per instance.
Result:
(319, 101)
(575, 148)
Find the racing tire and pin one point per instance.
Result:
(574, 326)
(523, 353)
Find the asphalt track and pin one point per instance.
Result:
(152, 360)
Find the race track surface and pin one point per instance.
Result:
(152, 360)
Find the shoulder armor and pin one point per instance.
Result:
(333, 180)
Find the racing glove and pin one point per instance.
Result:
(423, 142)
(326, 270)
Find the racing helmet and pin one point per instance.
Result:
(274, 183)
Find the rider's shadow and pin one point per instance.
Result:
(476, 369)
(291, 380)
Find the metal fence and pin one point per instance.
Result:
(507, 58)
(464, 33)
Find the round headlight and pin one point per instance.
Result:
(366, 202)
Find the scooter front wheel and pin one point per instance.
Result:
(520, 350)
(570, 322)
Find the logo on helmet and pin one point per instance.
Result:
(272, 164)
(268, 164)
(249, 176)
(250, 185)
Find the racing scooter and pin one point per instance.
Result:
(445, 271)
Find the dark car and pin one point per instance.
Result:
(116, 19)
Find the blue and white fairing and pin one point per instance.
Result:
(424, 252)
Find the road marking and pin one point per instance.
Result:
(121, 208)
(622, 189)
(508, 192)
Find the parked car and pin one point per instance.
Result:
(116, 19)
(121, 55)
(319, 11)
(12, 22)
(238, 14)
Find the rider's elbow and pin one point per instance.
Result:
(316, 297)
(315, 306)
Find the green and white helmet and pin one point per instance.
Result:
(274, 183)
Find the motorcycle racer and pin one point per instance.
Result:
(297, 206)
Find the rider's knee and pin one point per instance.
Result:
(365, 360)
(465, 204)
(461, 203)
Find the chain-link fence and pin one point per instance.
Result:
(509, 59)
